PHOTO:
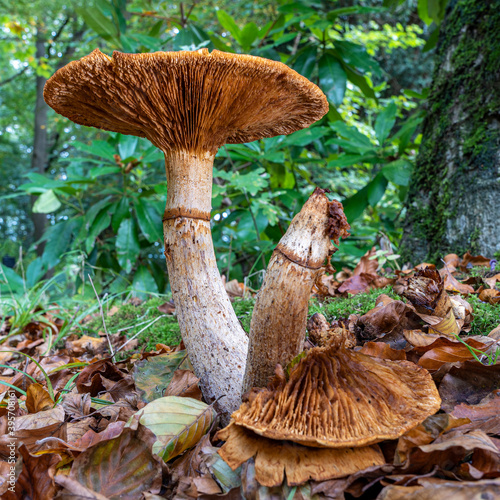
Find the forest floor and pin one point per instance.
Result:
(88, 407)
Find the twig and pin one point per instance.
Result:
(140, 331)
(103, 320)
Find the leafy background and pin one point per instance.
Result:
(100, 196)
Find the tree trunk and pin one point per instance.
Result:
(39, 156)
(454, 200)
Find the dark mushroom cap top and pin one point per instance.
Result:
(195, 101)
(338, 398)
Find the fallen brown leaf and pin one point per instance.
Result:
(36, 480)
(468, 382)
(30, 428)
(473, 260)
(122, 467)
(490, 295)
(443, 490)
(382, 350)
(167, 307)
(184, 383)
(366, 265)
(38, 399)
(76, 405)
(90, 378)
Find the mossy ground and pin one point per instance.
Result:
(134, 318)
(166, 329)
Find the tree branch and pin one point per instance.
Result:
(13, 77)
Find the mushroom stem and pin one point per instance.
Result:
(215, 341)
(278, 325)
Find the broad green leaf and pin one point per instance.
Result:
(143, 282)
(99, 224)
(355, 205)
(150, 42)
(44, 182)
(98, 148)
(46, 203)
(97, 21)
(152, 375)
(347, 160)
(99, 171)
(376, 189)
(34, 272)
(294, 7)
(305, 61)
(120, 210)
(398, 172)
(252, 182)
(248, 35)
(360, 81)
(432, 41)
(127, 244)
(94, 210)
(127, 146)
(356, 55)
(385, 121)
(228, 23)
(58, 239)
(332, 78)
(436, 10)
(178, 423)
(13, 281)
(149, 220)
(357, 140)
(423, 11)
(417, 95)
(304, 137)
(128, 43)
(153, 154)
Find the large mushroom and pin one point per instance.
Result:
(189, 104)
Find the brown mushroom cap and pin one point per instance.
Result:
(196, 101)
(337, 398)
(299, 463)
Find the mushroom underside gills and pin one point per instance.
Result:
(215, 341)
(278, 325)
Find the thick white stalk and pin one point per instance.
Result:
(215, 341)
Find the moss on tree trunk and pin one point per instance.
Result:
(454, 201)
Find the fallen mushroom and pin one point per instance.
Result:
(336, 397)
(274, 459)
(278, 325)
(333, 398)
(189, 104)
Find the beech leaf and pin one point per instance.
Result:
(178, 423)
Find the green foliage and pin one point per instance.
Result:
(106, 205)
(362, 150)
